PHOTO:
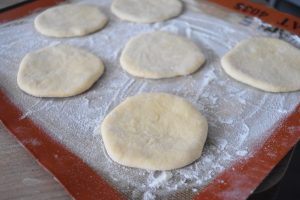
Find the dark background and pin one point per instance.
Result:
(288, 6)
(289, 186)
(283, 183)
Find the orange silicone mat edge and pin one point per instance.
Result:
(81, 181)
(26, 9)
(240, 180)
(266, 14)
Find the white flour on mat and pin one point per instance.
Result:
(239, 116)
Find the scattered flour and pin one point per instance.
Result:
(31, 181)
(242, 152)
(162, 178)
(239, 116)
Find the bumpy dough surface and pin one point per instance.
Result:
(58, 71)
(264, 63)
(146, 11)
(70, 20)
(155, 131)
(161, 55)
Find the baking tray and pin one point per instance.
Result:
(237, 181)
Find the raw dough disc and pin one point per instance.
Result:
(146, 11)
(161, 55)
(70, 20)
(265, 63)
(155, 131)
(58, 71)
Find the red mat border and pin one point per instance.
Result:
(266, 14)
(84, 183)
(77, 177)
(26, 9)
(251, 171)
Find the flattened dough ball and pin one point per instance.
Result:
(70, 20)
(155, 131)
(146, 11)
(161, 55)
(265, 63)
(58, 71)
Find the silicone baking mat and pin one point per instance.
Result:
(249, 130)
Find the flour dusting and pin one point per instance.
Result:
(239, 116)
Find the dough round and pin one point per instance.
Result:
(161, 55)
(58, 71)
(146, 11)
(265, 63)
(70, 20)
(155, 131)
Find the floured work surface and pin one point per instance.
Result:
(240, 117)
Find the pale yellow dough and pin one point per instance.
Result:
(161, 55)
(58, 71)
(70, 20)
(155, 131)
(265, 63)
(146, 11)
